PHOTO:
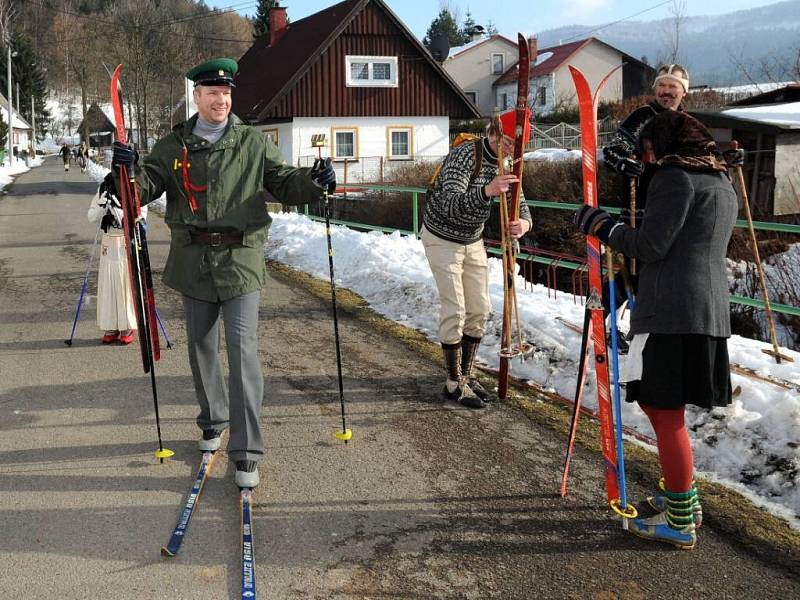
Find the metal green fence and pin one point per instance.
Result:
(416, 192)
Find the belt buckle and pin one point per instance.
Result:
(216, 239)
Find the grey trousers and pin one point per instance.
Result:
(239, 406)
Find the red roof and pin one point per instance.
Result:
(561, 54)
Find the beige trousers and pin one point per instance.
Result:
(461, 273)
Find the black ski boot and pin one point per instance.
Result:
(456, 387)
(469, 348)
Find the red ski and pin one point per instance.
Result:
(138, 262)
(587, 102)
(521, 134)
(135, 237)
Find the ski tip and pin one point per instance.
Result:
(165, 552)
(345, 435)
(164, 453)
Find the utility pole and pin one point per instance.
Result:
(10, 109)
(33, 126)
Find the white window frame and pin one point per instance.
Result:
(400, 128)
(273, 134)
(502, 63)
(473, 92)
(392, 82)
(334, 147)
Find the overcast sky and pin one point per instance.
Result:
(527, 16)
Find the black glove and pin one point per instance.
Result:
(630, 167)
(734, 158)
(124, 155)
(323, 175)
(593, 221)
(625, 216)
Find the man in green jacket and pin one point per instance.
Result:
(216, 173)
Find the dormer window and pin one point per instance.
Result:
(371, 71)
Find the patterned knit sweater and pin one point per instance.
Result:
(457, 207)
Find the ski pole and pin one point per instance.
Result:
(775, 352)
(576, 408)
(163, 330)
(345, 434)
(623, 508)
(83, 287)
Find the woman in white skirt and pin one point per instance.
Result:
(116, 315)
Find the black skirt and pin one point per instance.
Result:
(683, 369)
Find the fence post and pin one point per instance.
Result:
(345, 179)
(415, 213)
(305, 209)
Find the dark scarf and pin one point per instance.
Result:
(680, 140)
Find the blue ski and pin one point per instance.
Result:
(248, 558)
(171, 549)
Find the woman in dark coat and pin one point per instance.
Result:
(681, 323)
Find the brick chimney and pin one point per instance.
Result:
(277, 24)
(533, 45)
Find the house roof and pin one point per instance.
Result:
(19, 121)
(558, 55)
(457, 50)
(302, 44)
(771, 119)
(786, 93)
(98, 120)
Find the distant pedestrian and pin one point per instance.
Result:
(65, 154)
(459, 204)
(681, 322)
(116, 314)
(83, 156)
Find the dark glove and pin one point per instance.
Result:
(625, 216)
(323, 175)
(734, 158)
(630, 167)
(124, 155)
(594, 221)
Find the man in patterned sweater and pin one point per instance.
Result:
(458, 205)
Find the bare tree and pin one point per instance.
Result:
(674, 29)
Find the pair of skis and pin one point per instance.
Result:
(509, 211)
(594, 321)
(248, 564)
(141, 275)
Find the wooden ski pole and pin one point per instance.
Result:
(775, 352)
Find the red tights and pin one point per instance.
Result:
(674, 449)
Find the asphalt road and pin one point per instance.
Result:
(429, 500)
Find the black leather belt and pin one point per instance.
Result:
(215, 239)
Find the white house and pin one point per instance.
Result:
(355, 76)
(477, 65)
(551, 82)
(22, 133)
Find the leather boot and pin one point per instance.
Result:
(456, 388)
(469, 348)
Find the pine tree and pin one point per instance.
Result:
(466, 29)
(491, 29)
(445, 25)
(3, 131)
(261, 20)
(27, 71)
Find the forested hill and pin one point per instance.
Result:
(759, 44)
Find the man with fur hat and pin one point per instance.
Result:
(216, 173)
(458, 205)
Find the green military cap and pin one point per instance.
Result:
(217, 71)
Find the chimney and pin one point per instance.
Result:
(277, 24)
(533, 45)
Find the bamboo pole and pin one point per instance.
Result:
(775, 352)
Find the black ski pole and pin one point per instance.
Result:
(345, 434)
(163, 330)
(83, 287)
